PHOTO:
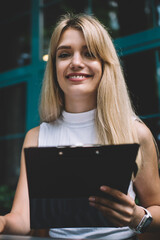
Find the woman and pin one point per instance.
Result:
(84, 100)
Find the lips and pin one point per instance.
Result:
(78, 76)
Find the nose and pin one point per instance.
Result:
(77, 61)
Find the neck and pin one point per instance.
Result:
(79, 105)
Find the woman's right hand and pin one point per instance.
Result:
(2, 223)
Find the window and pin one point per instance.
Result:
(140, 73)
(12, 129)
(15, 40)
(124, 17)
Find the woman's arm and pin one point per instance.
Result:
(18, 220)
(147, 183)
(124, 211)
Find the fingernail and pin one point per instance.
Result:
(92, 199)
(103, 188)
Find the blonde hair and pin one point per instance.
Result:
(114, 115)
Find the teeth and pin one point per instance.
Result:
(79, 76)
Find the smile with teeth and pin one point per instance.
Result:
(78, 77)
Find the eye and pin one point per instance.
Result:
(63, 55)
(89, 55)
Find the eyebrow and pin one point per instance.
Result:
(68, 47)
(63, 47)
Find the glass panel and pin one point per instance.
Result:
(10, 9)
(140, 74)
(13, 107)
(157, 7)
(15, 27)
(53, 12)
(124, 17)
(48, 1)
(107, 13)
(141, 78)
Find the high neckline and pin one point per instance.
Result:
(78, 117)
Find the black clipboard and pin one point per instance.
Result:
(60, 180)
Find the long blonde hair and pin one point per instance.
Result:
(114, 115)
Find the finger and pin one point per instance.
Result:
(105, 202)
(116, 194)
(116, 218)
(124, 209)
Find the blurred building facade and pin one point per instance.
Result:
(26, 28)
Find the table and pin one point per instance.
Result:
(19, 237)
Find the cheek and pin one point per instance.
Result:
(61, 68)
(98, 69)
(59, 72)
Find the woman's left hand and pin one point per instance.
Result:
(121, 211)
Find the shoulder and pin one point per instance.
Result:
(144, 134)
(148, 146)
(31, 138)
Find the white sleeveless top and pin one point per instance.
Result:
(79, 129)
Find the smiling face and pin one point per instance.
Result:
(78, 71)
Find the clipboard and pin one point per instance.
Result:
(60, 180)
